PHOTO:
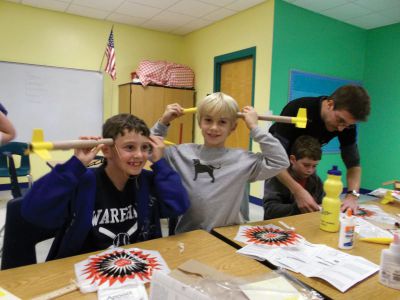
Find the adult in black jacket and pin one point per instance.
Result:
(328, 116)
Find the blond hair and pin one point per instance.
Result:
(218, 104)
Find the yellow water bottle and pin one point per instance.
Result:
(331, 203)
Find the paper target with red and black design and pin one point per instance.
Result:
(117, 267)
(375, 213)
(268, 235)
(364, 212)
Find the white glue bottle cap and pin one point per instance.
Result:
(395, 245)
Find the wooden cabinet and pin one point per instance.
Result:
(149, 103)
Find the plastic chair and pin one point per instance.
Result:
(20, 237)
(7, 165)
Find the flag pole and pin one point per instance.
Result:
(104, 54)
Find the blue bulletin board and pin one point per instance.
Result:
(303, 84)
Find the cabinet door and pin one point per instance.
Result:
(181, 129)
(124, 96)
(147, 103)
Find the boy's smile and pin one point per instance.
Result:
(216, 130)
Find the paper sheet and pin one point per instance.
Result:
(340, 269)
(375, 213)
(270, 236)
(6, 295)
(277, 288)
(116, 267)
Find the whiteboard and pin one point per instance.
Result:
(65, 103)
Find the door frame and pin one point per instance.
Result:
(220, 59)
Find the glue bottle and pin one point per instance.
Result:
(389, 272)
(331, 203)
(346, 233)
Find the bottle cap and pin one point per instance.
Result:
(395, 245)
(349, 212)
(335, 171)
(396, 238)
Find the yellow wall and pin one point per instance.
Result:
(253, 27)
(39, 36)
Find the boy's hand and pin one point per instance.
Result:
(86, 155)
(172, 111)
(158, 146)
(250, 117)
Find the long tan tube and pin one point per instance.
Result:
(79, 144)
(300, 120)
(280, 119)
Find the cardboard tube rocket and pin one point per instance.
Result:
(300, 121)
(42, 147)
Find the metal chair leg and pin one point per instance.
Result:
(30, 180)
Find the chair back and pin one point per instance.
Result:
(15, 148)
(20, 237)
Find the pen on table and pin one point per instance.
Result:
(287, 226)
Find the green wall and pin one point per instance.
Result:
(313, 43)
(380, 142)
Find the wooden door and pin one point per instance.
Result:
(237, 81)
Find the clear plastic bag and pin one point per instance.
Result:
(216, 285)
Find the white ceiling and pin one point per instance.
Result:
(366, 14)
(174, 16)
(184, 16)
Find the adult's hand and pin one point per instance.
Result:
(305, 202)
(350, 201)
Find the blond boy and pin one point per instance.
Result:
(215, 176)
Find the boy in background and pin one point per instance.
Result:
(304, 158)
(116, 204)
(214, 176)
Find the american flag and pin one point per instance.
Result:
(110, 53)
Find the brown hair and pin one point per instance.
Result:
(353, 99)
(117, 124)
(306, 146)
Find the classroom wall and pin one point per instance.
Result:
(250, 28)
(380, 144)
(314, 43)
(39, 36)
(286, 36)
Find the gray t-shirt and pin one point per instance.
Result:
(216, 178)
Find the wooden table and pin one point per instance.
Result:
(308, 226)
(29, 281)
